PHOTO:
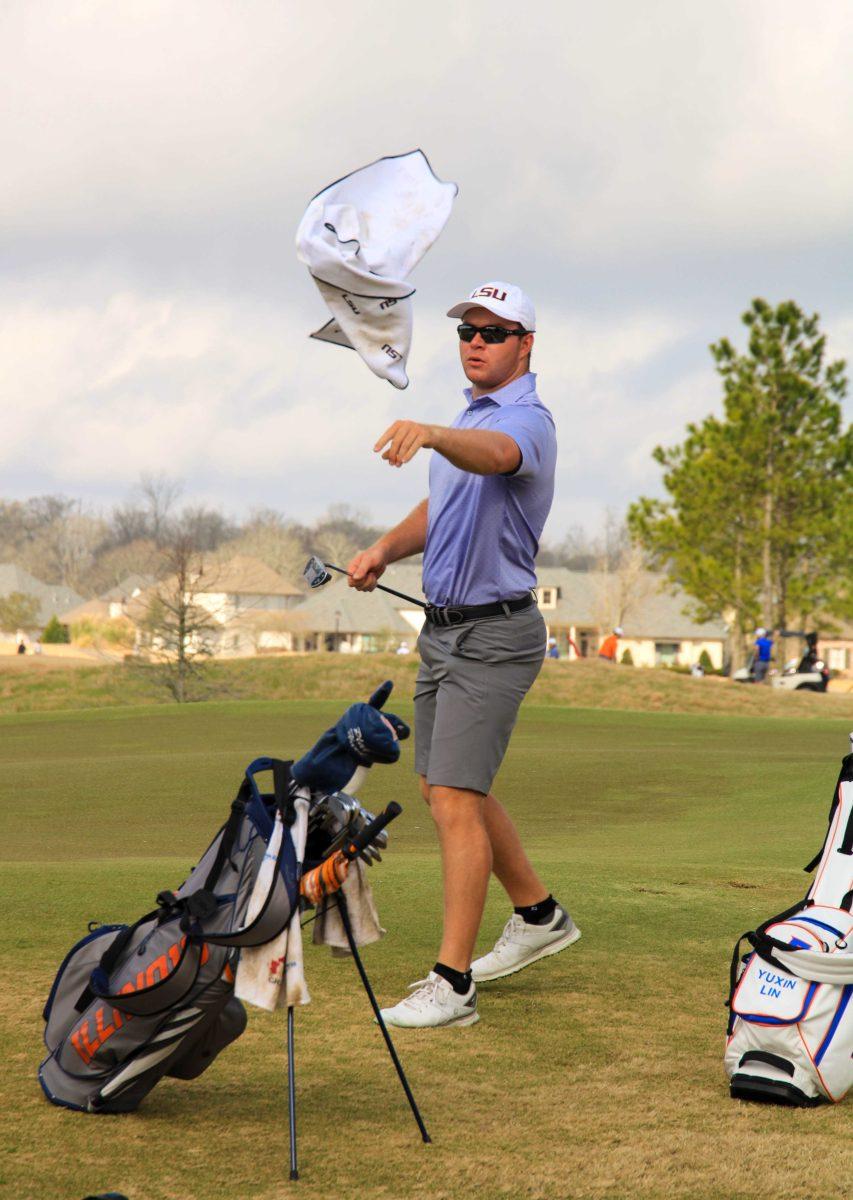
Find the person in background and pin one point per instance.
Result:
(763, 654)
(553, 650)
(609, 648)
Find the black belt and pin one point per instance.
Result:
(459, 614)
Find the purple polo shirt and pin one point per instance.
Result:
(483, 530)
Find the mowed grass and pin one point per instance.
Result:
(595, 1074)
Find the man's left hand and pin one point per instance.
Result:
(403, 440)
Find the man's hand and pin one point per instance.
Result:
(403, 440)
(364, 570)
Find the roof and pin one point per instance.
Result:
(96, 609)
(245, 576)
(53, 598)
(130, 584)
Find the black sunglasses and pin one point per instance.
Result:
(490, 334)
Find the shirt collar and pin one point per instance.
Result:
(508, 394)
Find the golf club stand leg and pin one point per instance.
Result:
(291, 1093)
(342, 905)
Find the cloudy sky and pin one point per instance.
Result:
(642, 170)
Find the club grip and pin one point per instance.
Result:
(362, 840)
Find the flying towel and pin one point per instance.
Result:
(360, 238)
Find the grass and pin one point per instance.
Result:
(596, 1074)
(46, 685)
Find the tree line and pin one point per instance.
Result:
(755, 520)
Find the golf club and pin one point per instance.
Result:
(317, 573)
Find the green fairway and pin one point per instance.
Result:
(597, 1073)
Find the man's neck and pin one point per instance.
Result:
(477, 392)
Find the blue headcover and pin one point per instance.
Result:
(360, 738)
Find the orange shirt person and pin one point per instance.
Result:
(610, 646)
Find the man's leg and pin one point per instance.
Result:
(466, 861)
(509, 860)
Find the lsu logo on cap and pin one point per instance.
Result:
(488, 293)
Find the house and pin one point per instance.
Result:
(836, 649)
(240, 607)
(112, 604)
(337, 617)
(581, 607)
(53, 599)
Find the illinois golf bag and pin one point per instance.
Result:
(133, 1003)
(791, 997)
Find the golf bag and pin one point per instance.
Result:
(132, 1003)
(791, 997)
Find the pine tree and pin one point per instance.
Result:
(756, 524)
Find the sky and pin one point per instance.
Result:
(641, 170)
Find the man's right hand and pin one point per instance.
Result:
(364, 570)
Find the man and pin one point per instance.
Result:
(610, 646)
(482, 645)
(763, 654)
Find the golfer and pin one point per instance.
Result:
(491, 485)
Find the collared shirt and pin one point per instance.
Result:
(483, 530)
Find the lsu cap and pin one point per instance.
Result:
(502, 299)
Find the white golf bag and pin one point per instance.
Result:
(791, 998)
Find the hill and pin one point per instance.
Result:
(34, 685)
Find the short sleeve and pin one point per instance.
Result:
(532, 430)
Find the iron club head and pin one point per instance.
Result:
(315, 572)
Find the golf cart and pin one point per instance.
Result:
(809, 673)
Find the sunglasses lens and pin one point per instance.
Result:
(490, 334)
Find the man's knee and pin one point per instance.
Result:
(455, 806)
(424, 788)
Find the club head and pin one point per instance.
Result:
(315, 572)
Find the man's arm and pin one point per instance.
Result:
(480, 451)
(409, 537)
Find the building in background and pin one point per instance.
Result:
(52, 599)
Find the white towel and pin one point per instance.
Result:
(364, 918)
(262, 968)
(360, 238)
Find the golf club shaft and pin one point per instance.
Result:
(380, 586)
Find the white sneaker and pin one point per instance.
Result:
(521, 944)
(432, 1003)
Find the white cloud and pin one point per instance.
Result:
(641, 169)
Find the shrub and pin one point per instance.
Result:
(55, 633)
(705, 662)
(627, 659)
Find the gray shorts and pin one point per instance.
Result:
(471, 682)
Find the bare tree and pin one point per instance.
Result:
(159, 493)
(70, 544)
(619, 591)
(273, 539)
(180, 630)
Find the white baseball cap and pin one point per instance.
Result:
(502, 299)
(618, 630)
